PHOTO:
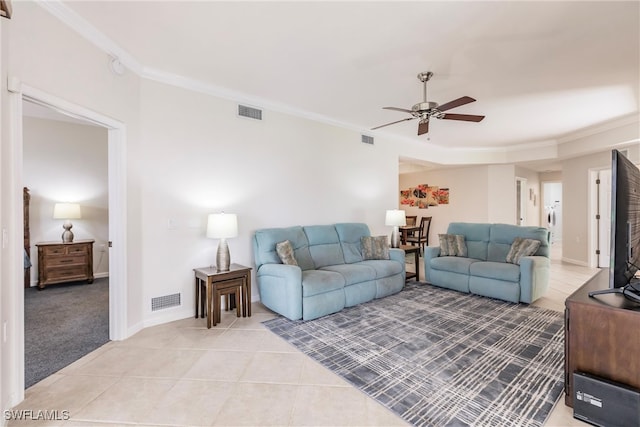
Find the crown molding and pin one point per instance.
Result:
(89, 32)
(70, 18)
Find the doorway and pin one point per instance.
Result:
(552, 215)
(18, 93)
(600, 217)
(64, 160)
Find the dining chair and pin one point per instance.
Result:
(422, 239)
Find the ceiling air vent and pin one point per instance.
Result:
(252, 113)
(367, 139)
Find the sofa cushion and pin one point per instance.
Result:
(476, 237)
(383, 268)
(522, 247)
(316, 282)
(452, 245)
(496, 270)
(452, 263)
(324, 245)
(503, 235)
(350, 234)
(265, 241)
(285, 252)
(353, 273)
(375, 247)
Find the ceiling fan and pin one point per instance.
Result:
(425, 110)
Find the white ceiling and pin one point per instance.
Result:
(539, 70)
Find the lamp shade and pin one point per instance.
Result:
(66, 211)
(222, 226)
(395, 217)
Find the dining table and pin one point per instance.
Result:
(407, 230)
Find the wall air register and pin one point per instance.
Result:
(249, 112)
(167, 301)
(367, 139)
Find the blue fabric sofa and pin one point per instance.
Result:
(331, 273)
(484, 271)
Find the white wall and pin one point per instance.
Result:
(468, 201)
(200, 157)
(66, 162)
(501, 191)
(532, 207)
(575, 193)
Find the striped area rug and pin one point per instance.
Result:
(438, 357)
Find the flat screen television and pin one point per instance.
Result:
(625, 228)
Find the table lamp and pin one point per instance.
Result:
(222, 226)
(395, 218)
(66, 211)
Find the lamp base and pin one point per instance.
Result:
(67, 234)
(395, 237)
(223, 259)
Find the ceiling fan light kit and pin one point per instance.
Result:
(426, 109)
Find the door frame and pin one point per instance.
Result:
(116, 137)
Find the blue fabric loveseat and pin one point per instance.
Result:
(484, 270)
(331, 273)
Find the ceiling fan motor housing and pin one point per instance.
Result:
(422, 107)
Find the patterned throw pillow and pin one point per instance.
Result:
(522, 247)
(375, 247)
(285, 252)
(452, 245)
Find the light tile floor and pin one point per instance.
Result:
(236, 373)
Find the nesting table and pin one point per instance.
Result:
(415, 250)
(211, 284)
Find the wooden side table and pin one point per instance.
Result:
(415, 250)
(218, 283)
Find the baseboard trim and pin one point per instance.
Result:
(575, 262)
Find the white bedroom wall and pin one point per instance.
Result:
(67, 162)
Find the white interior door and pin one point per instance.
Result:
(521, 207)
(604, 224)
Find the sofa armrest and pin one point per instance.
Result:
(398, 255)
(534, 277)
(430, 252)
(280, 288)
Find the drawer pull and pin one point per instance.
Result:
(66, 260)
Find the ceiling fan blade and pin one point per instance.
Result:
(456, 103)
(423, 127)
(393, 123)
(464, 117)
(404, 110)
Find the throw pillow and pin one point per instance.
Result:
(285, 252)
(522, 247)
(452, 245)
(375, 247)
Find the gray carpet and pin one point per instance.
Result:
(63, 323)
(438, 357)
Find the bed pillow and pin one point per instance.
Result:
(285, 252)
(522, 247)
(375, 247)
(452, 245)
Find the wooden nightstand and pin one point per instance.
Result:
(64, 262)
